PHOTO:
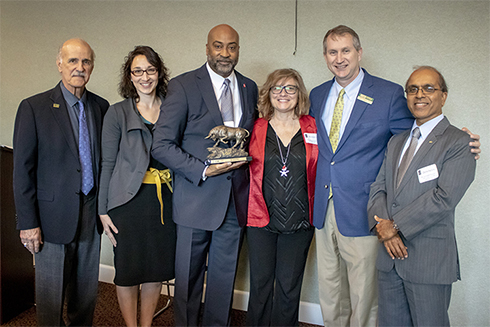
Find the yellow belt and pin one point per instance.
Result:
(155, 176)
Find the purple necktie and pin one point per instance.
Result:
(84, 151)
(226, 102)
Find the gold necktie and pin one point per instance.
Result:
(335, 126)
(336, 120)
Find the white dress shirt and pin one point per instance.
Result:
(425, 130)
(350, 96)
(217, 82)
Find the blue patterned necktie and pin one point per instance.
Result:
(84, 151)
(226, 102)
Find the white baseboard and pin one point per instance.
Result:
(308, 312)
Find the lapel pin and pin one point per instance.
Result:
(56, 105)
(244, 85)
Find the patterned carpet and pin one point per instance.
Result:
(107, 312)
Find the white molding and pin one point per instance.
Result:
(308, 312)
(106, 274)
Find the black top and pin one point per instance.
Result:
(153, 162)
(286, 197)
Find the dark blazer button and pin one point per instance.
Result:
(228, 178)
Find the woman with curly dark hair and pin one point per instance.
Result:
(135, 204)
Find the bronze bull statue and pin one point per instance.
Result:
(224, 134)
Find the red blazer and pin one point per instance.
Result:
(258, 215)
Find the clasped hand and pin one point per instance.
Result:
(390, 238)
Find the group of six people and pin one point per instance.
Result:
(169, 214)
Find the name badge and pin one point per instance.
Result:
(365, 98)
(427, 173)
(310, 138)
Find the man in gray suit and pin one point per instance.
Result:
(424, 175)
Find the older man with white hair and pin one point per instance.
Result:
(56, 167)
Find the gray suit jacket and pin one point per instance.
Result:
(126, 144)
(424, 211)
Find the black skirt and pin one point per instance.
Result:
(145, 250)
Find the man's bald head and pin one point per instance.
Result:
(75, 63)
(71, 42)
(222, 49)
(222, 28)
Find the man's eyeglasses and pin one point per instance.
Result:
(426, 89)
(140, 72)
(290, 89)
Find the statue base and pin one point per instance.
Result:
(230, 159)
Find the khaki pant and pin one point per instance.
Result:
(347, 277)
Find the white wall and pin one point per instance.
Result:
(396, 35)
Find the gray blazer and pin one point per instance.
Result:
(424, 211)
(126, 144)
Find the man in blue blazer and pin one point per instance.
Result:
(372, 111)
(412, 204)
(209, 202)
(55, 193)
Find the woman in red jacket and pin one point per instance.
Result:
(282, 172)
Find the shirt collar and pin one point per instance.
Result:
(428, 126)
(218, 80)
(352, 89)
(70, 98)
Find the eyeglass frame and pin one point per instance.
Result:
(422, 88)
(143, 71)
(283, 87)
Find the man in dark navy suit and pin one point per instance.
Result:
(209, 202)
(56, 167)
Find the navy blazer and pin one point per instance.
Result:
(424, 210)
(360, 151)
(47, 169)
(188, 113)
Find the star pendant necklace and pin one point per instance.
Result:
(284, 171)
